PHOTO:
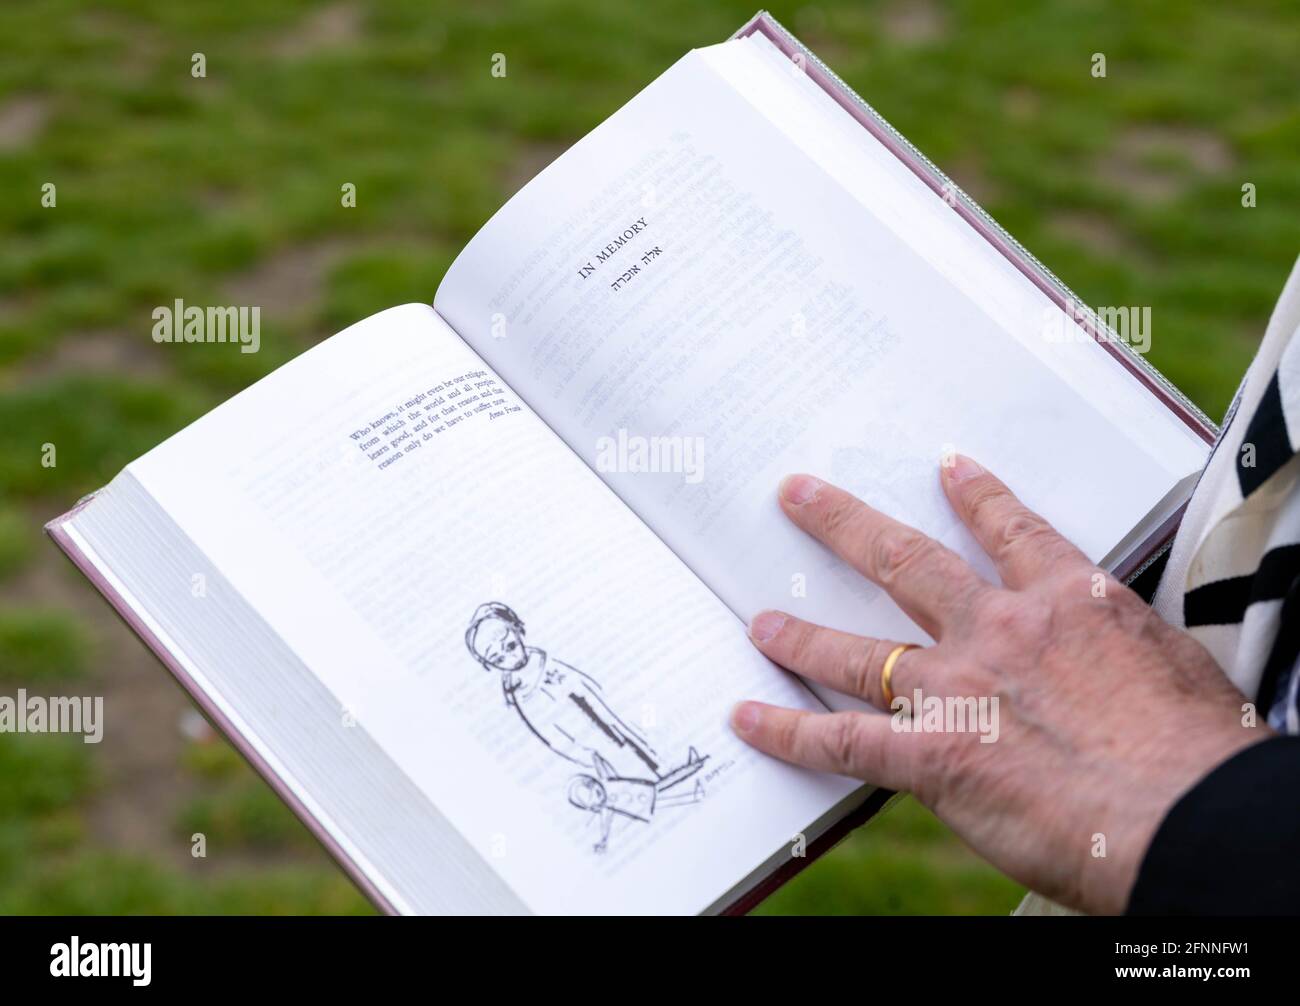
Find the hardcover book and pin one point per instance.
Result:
(468, 581)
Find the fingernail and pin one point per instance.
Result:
(766, 625)
(798, 489)
(963, 468)
(744, 718)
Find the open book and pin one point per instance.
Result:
(468, 582)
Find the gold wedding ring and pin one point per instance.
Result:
(887, 672)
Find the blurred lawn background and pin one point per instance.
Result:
(226, 190)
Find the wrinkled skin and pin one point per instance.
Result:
(1106, 714)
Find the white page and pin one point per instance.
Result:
(774, 86)
(785, 324)
(371, 575)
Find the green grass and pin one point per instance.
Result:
(48, 866)
(42, 775)
(72, 434)
(214, 762)
(904, 862)
(170, 186)
(42, 780)
(17, 541)
(243, 814)
(98, 883)
(39, 645)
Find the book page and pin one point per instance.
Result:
(541, 666)
(699, 306)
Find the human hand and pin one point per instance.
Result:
(1105, 714)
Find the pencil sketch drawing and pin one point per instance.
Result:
(568, 712)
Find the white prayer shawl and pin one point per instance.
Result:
(1234, 570)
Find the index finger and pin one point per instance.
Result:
(929, 582)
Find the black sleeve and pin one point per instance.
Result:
(1146, 582)
(1231, 844)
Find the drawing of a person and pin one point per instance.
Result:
(564, 708)
(608, 795)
